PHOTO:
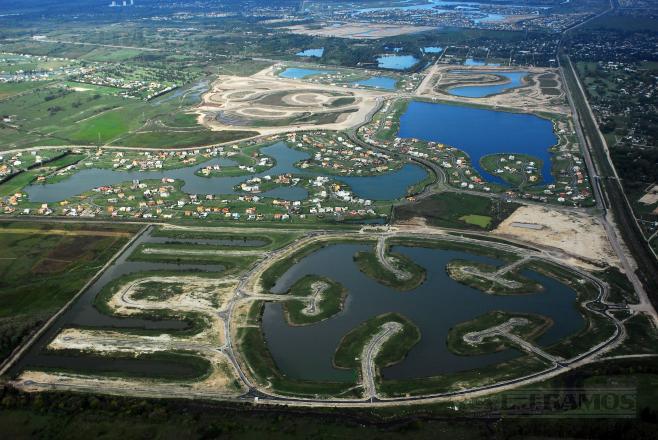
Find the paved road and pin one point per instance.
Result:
(369, 354)
(504, 330)
(318, 288)
(380, 251)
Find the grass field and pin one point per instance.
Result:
(52, 113)
(457, 210)
(40, 271)
(482, 221)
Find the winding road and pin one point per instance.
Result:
(369, 354)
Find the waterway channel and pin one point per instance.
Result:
(384, 186)
(83, 313)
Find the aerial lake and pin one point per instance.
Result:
(305, 352)
(432, 49)
(514, 80)
(479, 132)
(380, 187)
(473, 62)
(396, 62)
(299, 73)
(83, 313)
(311, 53)
(378, 82)
(469, 9)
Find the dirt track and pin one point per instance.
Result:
(270, 104)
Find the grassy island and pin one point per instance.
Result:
(325, 298)
(393, 351)
(369, 264)
(490, 279)
(534, 326)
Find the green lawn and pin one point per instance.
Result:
(52, 113)
(482, 221)
(103, 127)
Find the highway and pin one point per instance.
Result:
(607, 207)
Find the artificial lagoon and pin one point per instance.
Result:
(378, 82)
(435, 306)
(300, 73)
(513, 80)
(396, 62)
(317, 53)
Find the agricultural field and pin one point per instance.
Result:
(43, 266)
(55, 113)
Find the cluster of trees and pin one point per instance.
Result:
(13, 332)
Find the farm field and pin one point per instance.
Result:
(43, 266)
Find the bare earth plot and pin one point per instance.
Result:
(270, 104)
(575, 233)
(358, 30)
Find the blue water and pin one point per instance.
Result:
(311, 53)
(385, 186)
(479, 132)
(432, 49)
(298, 73)
(515, 80)
(473, 62)
(394, 186)
(378, 82)
(396, 62)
